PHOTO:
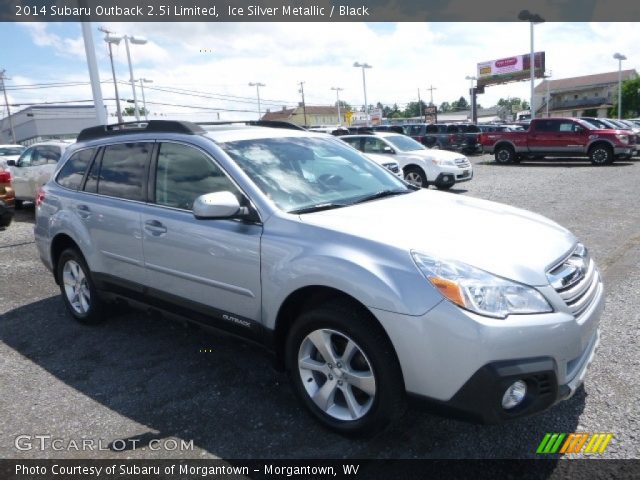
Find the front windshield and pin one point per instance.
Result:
(299, 173)
(404, 143)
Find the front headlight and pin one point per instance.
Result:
(623, 138)
(480, 291)
(449, 163)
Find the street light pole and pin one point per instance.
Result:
(107, 39)
(471, 78)
(338, 90)
(533, 19)
(364, 87)
(258, 85)
(548, 97)
(620, 58)
(6, 102)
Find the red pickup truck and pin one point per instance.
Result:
(560, 137)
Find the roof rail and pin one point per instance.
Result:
(146, 126)
(258, 123)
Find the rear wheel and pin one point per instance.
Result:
(18, 204)
(416, 176)
(601, 154)
(78, 291)
(344, 369)
(505, 154)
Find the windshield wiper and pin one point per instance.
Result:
(318, 208)
(382, 194)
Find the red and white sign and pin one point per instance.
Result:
(501, 66)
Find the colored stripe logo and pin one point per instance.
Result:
(580, 442)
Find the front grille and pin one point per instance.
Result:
(462, 162)
(576, 280)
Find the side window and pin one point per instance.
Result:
(354, 142)
(122, 170)
(37, 157)
(184, 173)
(25, 158)
(548, 126)
(72, 172)
(373, 145)
(567, 127)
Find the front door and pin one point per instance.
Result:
(210, 267)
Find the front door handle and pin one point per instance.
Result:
(155, 227)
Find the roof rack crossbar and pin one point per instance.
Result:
(143, 126)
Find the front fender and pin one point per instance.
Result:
(386, 280)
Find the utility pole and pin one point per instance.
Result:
(431, 89)
(113, 72)
(6, 102)
(338, 90)
(304, 106)
(419, 104)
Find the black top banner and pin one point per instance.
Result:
(317, 10)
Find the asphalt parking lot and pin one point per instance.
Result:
(138, 378)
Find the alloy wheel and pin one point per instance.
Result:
(76, 287)
(336, 374)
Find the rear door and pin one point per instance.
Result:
(543, 136)
(111, 211)
(211, 267)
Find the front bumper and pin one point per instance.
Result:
(454, 176)
(461, 363)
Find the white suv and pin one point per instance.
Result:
(421, 166)
(34, 168)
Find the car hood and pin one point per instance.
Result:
(506, 241)
(380, 159)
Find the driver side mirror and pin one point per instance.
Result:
(388, 149)
(11, 163)
(218, 205)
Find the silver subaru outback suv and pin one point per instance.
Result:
(295, 240)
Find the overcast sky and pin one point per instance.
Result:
(222, 58)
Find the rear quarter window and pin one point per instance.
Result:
(72, 172)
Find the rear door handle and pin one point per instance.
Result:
(83, 211)
(155, 227)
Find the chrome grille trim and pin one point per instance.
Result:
(576, 279)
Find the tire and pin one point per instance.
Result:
(361, 394)
(416, 176)
(78, 291)
(505, 154)
(18, 204)
(601, 154)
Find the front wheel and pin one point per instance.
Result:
(415, 176)
(505, 154)
(344, 369)
(78, 291)
(601, 155)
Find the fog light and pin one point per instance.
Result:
(514, 395)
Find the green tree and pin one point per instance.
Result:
(344, 106)
(460, 104)
(130, 111)
(414, 109)
(630, 99)
(445, 107)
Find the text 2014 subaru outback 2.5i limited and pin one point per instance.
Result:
(295, 240)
